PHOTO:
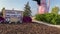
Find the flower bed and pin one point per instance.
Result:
(28, 28)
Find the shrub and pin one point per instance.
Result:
(58, 19)
(49, 18)
(2, 20)
(40, 17)
(27, 19)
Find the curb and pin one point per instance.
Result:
(58, 26)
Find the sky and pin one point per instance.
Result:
(20, 4)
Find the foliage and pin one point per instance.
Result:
(40, 17)
(55, 10)
(1, 14)
(58, 19)
(2, 11)
(49, 18)
(27, 19)
(27, 11)
(2, 20)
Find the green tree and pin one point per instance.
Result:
(55, 10)
(1, 13)
(3, 9)
(27, 11)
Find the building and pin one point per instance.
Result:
(12, 15)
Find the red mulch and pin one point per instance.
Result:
(28, 28)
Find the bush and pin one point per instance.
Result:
(27, 19)
(49, 18)
(58, 19)
(40, 17)
(2, 20)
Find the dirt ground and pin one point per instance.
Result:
(28, 28)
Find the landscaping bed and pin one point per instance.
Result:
(28, 28)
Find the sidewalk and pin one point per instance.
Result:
(33, 20)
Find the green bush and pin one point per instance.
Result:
(49, 18)
(58, 19)
(40, 17)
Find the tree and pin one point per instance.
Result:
(55, 10)
(1, 13)
(27, 11)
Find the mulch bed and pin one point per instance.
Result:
(28, 28)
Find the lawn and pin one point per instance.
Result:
(28, 28)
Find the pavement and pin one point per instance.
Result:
(33, 20)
